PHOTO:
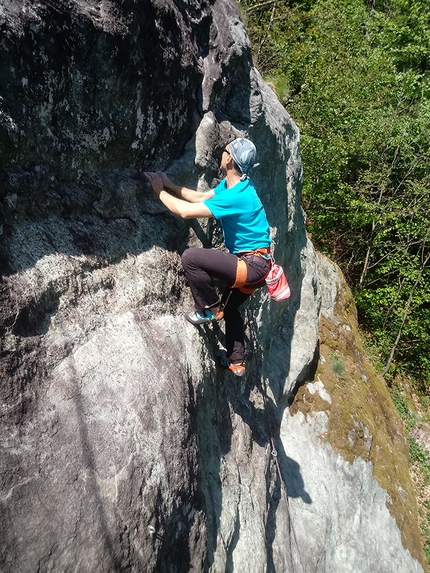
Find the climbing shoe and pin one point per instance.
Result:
(238, 368)
(204, 316)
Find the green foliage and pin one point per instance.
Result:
(337, 365)
(400, 402)
(425, 526)
(420, 457)
(355, 76)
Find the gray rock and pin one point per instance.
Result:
(362, 536)
(122, 447)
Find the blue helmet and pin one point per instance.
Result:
(244, 154)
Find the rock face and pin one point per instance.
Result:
(343, 432)
(122, 447)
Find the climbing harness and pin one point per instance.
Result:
(276, 281)
(274, 453)
(242, 270)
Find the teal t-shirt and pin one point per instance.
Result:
(243, 219)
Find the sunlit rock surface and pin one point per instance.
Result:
(123, 448)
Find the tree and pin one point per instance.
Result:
(355, 77)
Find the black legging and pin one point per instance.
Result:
(200, 266)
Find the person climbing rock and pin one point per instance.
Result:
(235, 203)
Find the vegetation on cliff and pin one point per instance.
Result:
(362, 419)
(355, 76)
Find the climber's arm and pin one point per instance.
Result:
(183, 192)
(160, 181)
(181, 207)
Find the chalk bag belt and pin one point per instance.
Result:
(242, 270)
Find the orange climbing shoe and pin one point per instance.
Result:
(238, 368)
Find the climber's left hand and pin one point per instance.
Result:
(156, 181)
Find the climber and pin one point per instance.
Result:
(246, 234)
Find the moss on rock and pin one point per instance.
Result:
(362, 419)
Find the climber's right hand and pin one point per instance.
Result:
(156, 182)
(167, 184)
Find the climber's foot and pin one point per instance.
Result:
(238, 368)
(204, 316)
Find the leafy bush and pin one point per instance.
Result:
(355, 76)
